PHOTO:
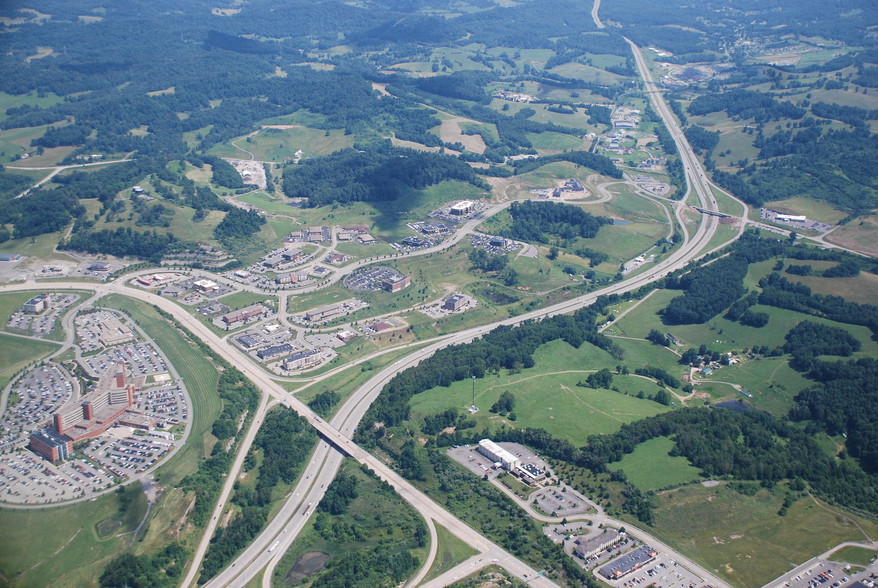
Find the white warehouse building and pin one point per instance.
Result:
(498, 455)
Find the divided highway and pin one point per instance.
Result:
(266, 549)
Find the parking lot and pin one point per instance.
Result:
(41, 325)
(141, 358)
(370, 278)
(662, 571)
(823, 573)
(167, 401)
(40, 392)
(560, 502)
(494, 245)
(469, 457)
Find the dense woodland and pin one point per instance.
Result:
(551, 222)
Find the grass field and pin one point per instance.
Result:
(17, 352)
(547, 395)
(742, 537)
(60, 546)
(199, 375)
(451, 551)
(275, 143)
(242, 299)
(378, 513)
(553, 142)
(862, 289)
(813, 209)
(649, 467)
(854, 555)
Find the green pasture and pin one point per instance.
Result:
(276, 144)
(199, 375)
(650, 467)
(547, 395)
(60, 546)
(589, 74)
(300, 117)
(551, 141)
(862, 289)
(8, 101)
(742, 537)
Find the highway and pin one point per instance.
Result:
(325, 461)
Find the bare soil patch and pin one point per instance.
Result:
(309, 564)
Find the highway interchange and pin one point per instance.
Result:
(266, 550)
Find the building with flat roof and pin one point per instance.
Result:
(205, 285)
(327, 311)
(497, 454)
(99, 266)
(244, 315)
(586, 547)
(629, 562)
(462, 208)
(396, 283)
(37, 304)
(247, 341)
(274, 351)
(51, 445)
(113, 332)
(454, 302)
(530, 473)
(301, 360)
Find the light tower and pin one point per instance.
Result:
(473, 408)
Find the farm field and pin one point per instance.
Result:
(742, 537)
(280, 141)
(649, 467)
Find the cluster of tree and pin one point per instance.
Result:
(463, 85)
(503, 348)
(595, 257)
(339, 495)
(779, 292)
(66, 135)
(324, 402)
(740, 104)
(223, 173)
(845, 402)
(238, 395)
(808, 339)
(659, 374)
(379, 174)
(381, 565)
(505, 404)
(162, 570)
(12, 184)
(602, 378)
(656, 337)
(285, 441)
(709, 290)
(701, 139)
(545, 222)
(433, 424)
(238, 224)
(486, 262)
(123, 242)
(856, 117)
(832, 168)
(598, 163)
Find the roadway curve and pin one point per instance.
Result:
(325, 462)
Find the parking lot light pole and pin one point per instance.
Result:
(473, 405)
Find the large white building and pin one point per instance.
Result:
(497, 454)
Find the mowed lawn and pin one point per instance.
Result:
(649, 467)
(16, 353)
(742, 538)
(199, 375)
(547, 395)
(450, 552)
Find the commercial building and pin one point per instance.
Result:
(205, 285)
(247, 341)
(274, 351)
(244, 315)
(497, 454)
(100, 266)
(396, 283)
(328, 311)
(292, 254)
(302, 360)
(37, 304)
(454, 302)
(462, 208)
(628, 563)
(587, 547)
(530, 473)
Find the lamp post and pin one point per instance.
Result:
(473, 405)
